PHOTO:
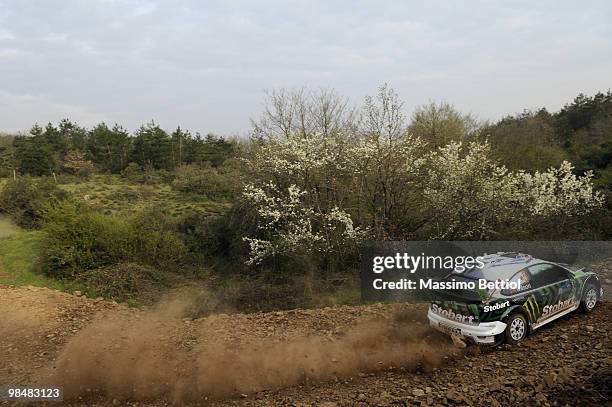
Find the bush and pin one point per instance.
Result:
(124, 281)
(26, 198)
(155, 177)
(157, 242)
(76, 163)
(214, 183)
(220, 237)
(78, 240)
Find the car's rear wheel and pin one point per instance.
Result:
(589, 299)
(516, 329)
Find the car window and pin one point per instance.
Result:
(546, 273)
(526, 285)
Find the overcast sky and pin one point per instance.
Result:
(205, 64)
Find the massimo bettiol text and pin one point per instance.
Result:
(408, 263)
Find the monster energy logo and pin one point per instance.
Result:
(532, 308)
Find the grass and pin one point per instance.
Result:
(114, 194)
(7, 227)
(19, 260)
(19, 266)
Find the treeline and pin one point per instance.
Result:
(71, 148)
(580, 132)
(534, 140)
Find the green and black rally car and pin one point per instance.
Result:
(546, 292)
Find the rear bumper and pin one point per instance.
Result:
(483, 333)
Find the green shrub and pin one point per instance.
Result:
(124, 281)
(78, 240)
(26, 198)
(207, 181)
(220, 237)
(157, 242)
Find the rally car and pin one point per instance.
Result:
(547, 291)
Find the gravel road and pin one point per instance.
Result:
(105, 354)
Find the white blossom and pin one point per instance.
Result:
(309, 190)
(471, 194)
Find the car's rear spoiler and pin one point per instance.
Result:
(574, 268)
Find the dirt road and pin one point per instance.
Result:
(106, 354)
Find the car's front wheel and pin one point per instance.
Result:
(516, 329)
(589, 299)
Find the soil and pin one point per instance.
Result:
(104, 354)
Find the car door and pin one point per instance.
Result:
(527, 296)
(555, 290)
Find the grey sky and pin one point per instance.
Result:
(205, 64)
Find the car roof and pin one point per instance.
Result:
(503, 265)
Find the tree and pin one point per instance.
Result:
(216, 150)
(76, 163)
(580, 132)
(55, 140)
(152, 147)
(109, 148)
(7, 159)
(585, 126)
(388, 161)
(179, 142)
(33, 155)
(302, 113)
(386, 183)
(291, 225)
(74, 137)
(470, 195)
(526, 141)
(439, 124)
(301, 167)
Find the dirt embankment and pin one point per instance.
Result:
(104, 354)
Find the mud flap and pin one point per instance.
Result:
(458, 341)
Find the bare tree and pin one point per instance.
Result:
(390, 167)
(302, 113)
(277, 117)
(330, 113)
(382, 116)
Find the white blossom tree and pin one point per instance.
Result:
(473, 197)
(292, 226)
(466, 192)
(322, 181)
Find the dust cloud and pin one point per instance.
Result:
(150, 355)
